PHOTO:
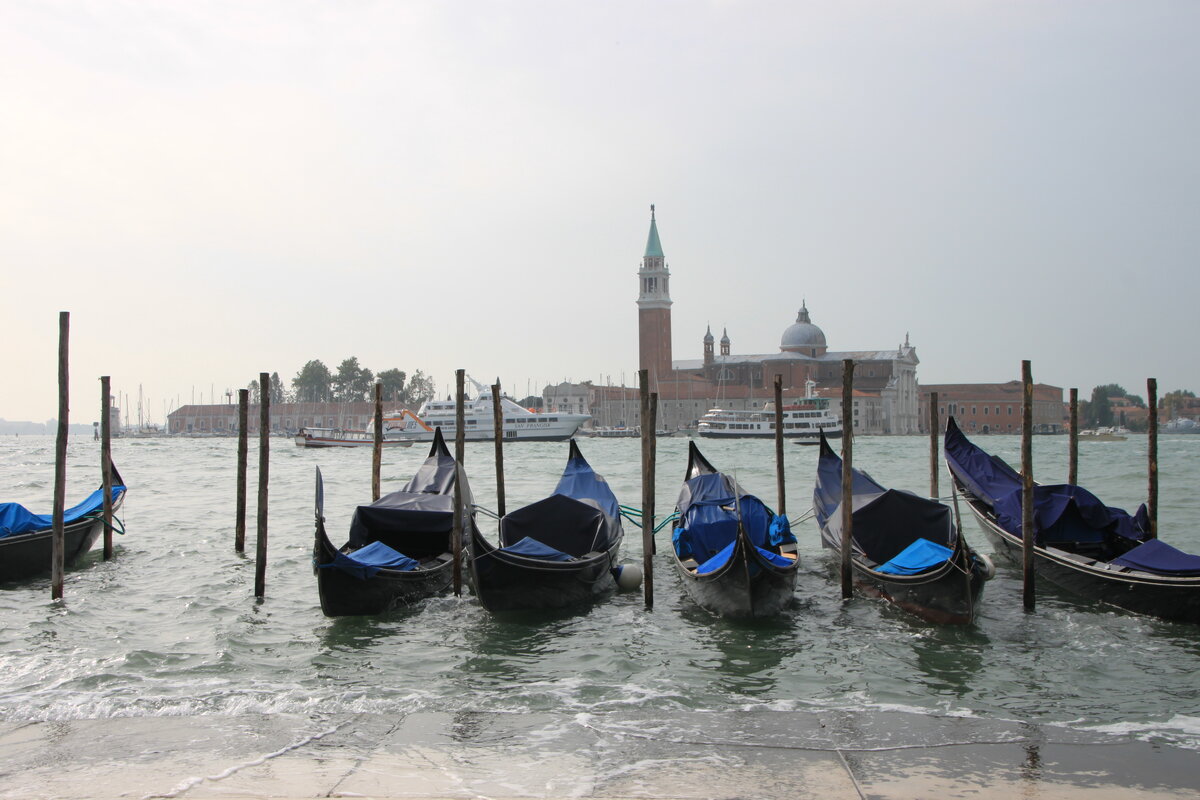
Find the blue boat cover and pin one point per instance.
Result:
(581, 482)
(1062, 512)
(15, 518)
(365, 562)
(532, 548)
(917, 557)
(1159, 557)
(709, 523)
(720, 559)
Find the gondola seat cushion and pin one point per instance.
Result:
(532, 548)
(1160, 558)
(365, 562)
(720, 559)
(917, 557)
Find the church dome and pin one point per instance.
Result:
(802, 334)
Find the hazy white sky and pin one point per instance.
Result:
(217, 189)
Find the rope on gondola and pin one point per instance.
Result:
(117, 525)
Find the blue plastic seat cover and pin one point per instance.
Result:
(15, 518)
(532, 548)
(1161, 558)
(722, 558)
(917, 557)
(365, 562)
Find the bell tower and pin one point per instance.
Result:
(654, 310)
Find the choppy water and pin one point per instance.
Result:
(170, 627)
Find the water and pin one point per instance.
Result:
(170, 627)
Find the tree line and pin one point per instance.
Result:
(352, 383)
(1099, 410)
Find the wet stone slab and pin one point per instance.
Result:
(685, 755)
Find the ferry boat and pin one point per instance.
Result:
(340, 437)
(520, 424)
(803, 420)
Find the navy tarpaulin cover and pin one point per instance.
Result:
(581, 482)
(532, 548)
(917, 557)
(1159, 557)
(365, 562)
(710, 522)
(15, 518)
(1061, 513)
(722, 558)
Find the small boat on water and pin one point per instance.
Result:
(1104, 435)
(558, 552)
(26, 539)
(907, 549)
(400, 548)
(520, 424)
(735, 557)
(804, 420)
(1097, 551)
(339, 437)
(1181, 425)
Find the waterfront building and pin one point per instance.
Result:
(995, 407)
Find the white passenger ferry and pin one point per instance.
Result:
(802, 420)
(520, 424)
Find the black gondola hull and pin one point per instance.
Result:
(1170, 598)
(344, 595)
(506, 582)
(28, 555)
(743, 588)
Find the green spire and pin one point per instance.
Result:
(653, 247)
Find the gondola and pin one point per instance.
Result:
(1080, 544)
(556, 553)
(735, 557)
(905, 548)
(26, 539)
(400, 548)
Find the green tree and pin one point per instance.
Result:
(352, 383)
(1100, 409)
(278, 395)
(393, 384)
(420, 388)
(313, 384)
(255, 394)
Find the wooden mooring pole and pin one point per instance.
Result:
(1073, 441)
(264, 466)
(239, 531)
(779, 485)
(647, 423)
(847, 475)
(498, 427)
(1027, 531)
(106, 464)
(935, 424)
(460, 449)
(1152, 453)
(57, 545)
(377, 450)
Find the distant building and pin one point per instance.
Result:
(994, 407)
(885, 380)
(222, 419)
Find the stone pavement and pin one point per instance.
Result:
(687, 755)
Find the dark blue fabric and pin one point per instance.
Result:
(581, 482)
(781, 531)
(1159, 557)
(721, 558)
(365, 562)
(711, 524)
(15, 518)
(1061, 513)
(532, 548)
(827, 494)
(917, 557)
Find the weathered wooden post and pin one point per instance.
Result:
(460, 425)
(1152, 450)
(779, 445)
(935, 425)
(1073, 441)
(647, 423)
(239, 533)
(847, 475)
(498, 427)
(1027, 532)
(264, 466)
(106, 464)
(57, 545)
(377, 450)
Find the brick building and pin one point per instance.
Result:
(995, 407)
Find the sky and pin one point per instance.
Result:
(219, 189)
